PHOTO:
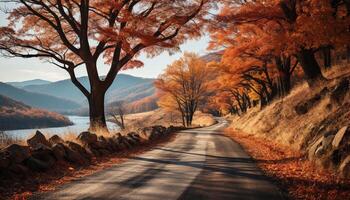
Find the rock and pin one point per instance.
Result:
(126, 143)
(16, 153)
(87, 138)
(150, 133)
(131, 140)
(325, 146)
(314, 147)
(37, 139)
(117, 141)
(339, 136)
(37, 165)
(55, 139)
(5, 160)
(339, 92)
(135, 136)
(18, 169)
(304, 106)
(45, 155)
(76, 147)
(75, 157)
(145, 133)
(59, 151)
(344, 168)
(112, 144)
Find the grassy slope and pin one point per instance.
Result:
(162, 117)
(280, 122)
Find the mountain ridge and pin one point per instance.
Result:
(36, 100)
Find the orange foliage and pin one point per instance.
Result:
(184, 86)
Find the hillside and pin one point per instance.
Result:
(311, 120)
(21, 84)
(123, 85)
(37, 100)
(16, 115)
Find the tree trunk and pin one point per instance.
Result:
(97, 111)
(310, 66)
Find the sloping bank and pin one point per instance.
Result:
(22, 168)
(303, 140)
(315, 121)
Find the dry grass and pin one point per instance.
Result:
(164, 118)
(292, 172)
(5, 140)
(280, 122)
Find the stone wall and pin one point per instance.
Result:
(41, 153)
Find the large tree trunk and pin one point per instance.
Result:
(310, 66)
(97, 110)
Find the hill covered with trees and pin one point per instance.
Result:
(16, 115)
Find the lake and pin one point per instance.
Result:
(80, 124)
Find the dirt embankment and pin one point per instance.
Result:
(314, 121)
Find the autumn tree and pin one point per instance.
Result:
(302, 28)
(184, 85)
(72, 34)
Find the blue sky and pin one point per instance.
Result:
(20, 69)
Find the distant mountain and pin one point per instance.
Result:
(16, 115)
(123, 85)
(37, 100)
(133, 93)
(27, 83)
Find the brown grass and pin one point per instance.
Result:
(164, 118)
(5, 140)
(291, 171)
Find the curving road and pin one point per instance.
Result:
(199, 164)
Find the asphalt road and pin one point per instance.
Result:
(199, 164)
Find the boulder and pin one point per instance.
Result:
(112, 144)
(16, 153)
(59, 151)
(339, 92)
(314, 147)
(344, 168)
(87, 138)
(37, 139)
(150, 133)
(75, 157)
(79, 149)
(135, 136)
(126, 143)
(117, 141)
(18, 169)
(37, 165)
(304, 106)
(338, 137)
(55, 139)
(44, 155)
(145, 133)
(325, 145)
(5, 160)
(131, 140)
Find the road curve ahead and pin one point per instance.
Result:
(199, 164)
